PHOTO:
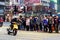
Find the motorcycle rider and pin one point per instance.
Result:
(13, 22)
(13, 27)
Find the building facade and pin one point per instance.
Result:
(58, 5)
(45, 2)
(53, 4)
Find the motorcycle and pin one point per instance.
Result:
(14, 30)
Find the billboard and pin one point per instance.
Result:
(54, 1)
(53, 4)
(31, 1)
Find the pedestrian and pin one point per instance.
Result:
(56, 24)
(1, 21)
(31, 23)
(40, 23)
(50, 24)
(20, 22)
(24, 23)
(37, 23)
(34, 19)
(45, 23)
(59, 23)
(27, 23)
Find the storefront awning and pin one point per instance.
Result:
(2, 3)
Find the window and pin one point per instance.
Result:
(29, 8)
(1, 6)
(2, 0)
(7, 0)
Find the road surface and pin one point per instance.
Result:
(28, 35)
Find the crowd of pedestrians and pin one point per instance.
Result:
(35, 23)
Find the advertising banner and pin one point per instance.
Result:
(27, 2)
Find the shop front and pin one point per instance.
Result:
(32, 6)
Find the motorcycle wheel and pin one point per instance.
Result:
(8, 33)
(15, 32)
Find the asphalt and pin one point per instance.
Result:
(28, 35)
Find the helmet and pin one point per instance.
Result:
(14, 22)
